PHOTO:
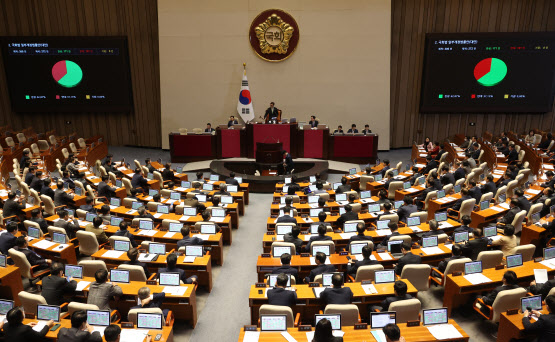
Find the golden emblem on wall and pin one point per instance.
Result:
(274, 35)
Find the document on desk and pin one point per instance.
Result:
(202, 236)
(495, 237)
(411, 190)
(504, 205)
(143, 257)
(169, 235)
(100, 329)
(158, 215)
(383, 232)
(184, 218)
(147, 232)
(112, 254)
(533, 191)
(131, 211)
(420, 165)
(445, 224)
(81, 285)
(308, 220)
(496, 208)
(477, 278)
(548, 167)
(347, 236)
(378, 335)
(132, 335)
(449, 246)
(432, 250)
(189, 258)
(39, 326)
(174, 290)
(548, 263)
(288, 336)
(251, 336)
(385, 256)
(444, 331)
(217, 219)
(279, 238)
(369, 289)
(44, 244)
(540, 275)
(313, 261)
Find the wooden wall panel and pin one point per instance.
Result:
(411, 20)
(135, 19)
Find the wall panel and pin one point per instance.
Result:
(411, 20)
(135, 19)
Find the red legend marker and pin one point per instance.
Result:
(57, 97)
(473, 96)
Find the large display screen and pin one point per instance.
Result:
(57, 74)
(488, 72)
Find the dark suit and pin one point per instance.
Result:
(366, 131)
(138, 181)
(287, 269)
(386, 239)
(433, 233)
(12, 207)
(443, 264)
(348, 216)
(432, 164)
(422, 197)
(286, 219)
(128, 235)
(490, 297)
(7, 241)
(29, 177)
(317, 238)
(76, 335)
(361, 237)
(543, 328)
(41, 222)
(189, 241)
(524, 203)
(338, 132)
(69, 181)
(343, 188)
(548, 184)
(209, 130)
(319, 270)
(542, 289)
(352, 269)
(405, 210)
(352, 130)
(33, 258)
(510, 215)
(489, 187)
(439, 154)
(271, 112)
(47, 191)
(463, 229)
(25, 333)
(104, 190)
(138, 263)
(294, 240)
(289, 165)
(88, 208)
(459, 173)
(281, 296)
(472, 248)
(449, 177)
(155, 302)
(62, 198)
(407, 259)
(333, 295)
(36, 184)
(512, 157)
(167, 175)
(181, 272)
(70, 227)
(388, 300)
(231, 123)
(313, 124)
(54, 288)
(458, 203)
(384, 170)
(476, 154)
(475, 193)
(232, 181)
(414, 177)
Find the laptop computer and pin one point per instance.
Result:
(208, 229)
(484, 205)
(501, 198)
(119, 276)
(196, 251)
(394, 247)
(201, 198)
(33, 232)
(277, 251)
(190, 211)
(59, 238)
(162, 209)
(216, 212)
(373, 208)
(119, 183)
(312, 179)
(239, 179)
(336, 185)
(398, 204)
(74, 271)
(365, 194)
(536, 217)
(490, 231)
(149, 176)
(272, 279)
(356, 248)
(315, 212)
(150, 321)
(440, 194)
(387, 276)
(122, 246)
(322, 248)
(473, 267)
(147, 225)
(115, 221)
(226, 199)
(98, 319)
(116, 202)
(457, 188)
(514, 260)
(378, 178)
(341, 210)
(313, 199)
(352, 171)
(5, 306)
(282, 230)
(175, 196)
(379, 320)
(90, 217)
(48, 312)
(157, 248)
(169, 279)
(78, 191)
(435, 316)
(382, 224)
(532, 302)
(440, 217)
(287, 180)
(430, 241)
(312, 187)
(327, 279)
(340, 197)
(232, 188)
(2, 260)
(335, 320)
(152, 192)
(185, 184)
(460, 237)
(285, 189)
(548, 253)
(406, 185)
(136, 205)
(207, 187)
(214, 178)
(273, 323)
(350, 227)
(413, 221)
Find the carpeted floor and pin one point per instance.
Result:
(226, 309)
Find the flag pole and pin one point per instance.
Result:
(244, 68)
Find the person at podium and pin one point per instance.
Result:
(313, 122)
(353, 129)
(339, 130)
(271, 115)
(209, 128)
(232, 121)
(286, 165)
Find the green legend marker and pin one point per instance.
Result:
(27, 97)
(440, 96)
(490, 71)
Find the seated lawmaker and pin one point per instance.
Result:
(320, 268)
(125, 233)
(232, 121)
(393, 227)
(352, 268)
(286, 267)
(406, 209)
(133, 255)
(171, 262)
(231, 179)
(323, 332)
(349, 215)
(293, 237)
(510, 282)
(149, 301)
(313, 122)
(472, 248)
(95, 228)
(67, 222)
(286, 218)
(339, 130)
(209, 128)
(508, 241)
(279, 295)
(407, 259)
(465, 220)
(337, 294)
(400, 293)
(322, 229)
(544, 327)
(15, 330)
(366, 129)
(8, 239)
(55, 286)
(353, 129)
(434, 229)
(46, 189)
(361, 228)
(101, 291)
(457, 254)
(33, 258)
(343, 187)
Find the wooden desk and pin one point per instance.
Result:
(533, 234)
(10, 283)
(167, 332)
(201, 267)
(66, 255)
(411, 334)
(512, 327)
(308, 305)
(458, 289)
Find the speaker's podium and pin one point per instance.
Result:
(268, 153)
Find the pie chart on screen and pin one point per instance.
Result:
(490, 71)
(67, 73)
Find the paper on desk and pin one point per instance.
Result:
(423, 155)
(169, 235)
(180, 189)
(540, 275)
(477, 278)
(385, 256)
(548, 263)
(184, 218)
(61, 246)
(279, 238)
(496, 208)
(83, 223)
(495, 237)
(449, 246)
(148, 198)
(132, 335)
(309, 336)
(39, 326)
(308, 220)
(504, 205)
(189, 258)
(411, 190)
(99, 329)
(369, 288)
(217, 219)
(251, 336)
(498, 172)
(444, 331)
(415, 229)
(144, 258)
(27, 205)
(338, 333)
(378, 335)
(288, 336)
(548, 167)
(431, 250)
(147, 232)
(158, 215)
(131, 211)
(44, 244)
(445, 224)
(112, 207)
(175, 290)
(346, 236)
(203, 236)
(383, 232)
(81, 285)
(305, 237)
(112, 254)
(313, 261)
(318, 291)
(533, 191)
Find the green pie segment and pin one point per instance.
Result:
(67, 73)
(490, 71)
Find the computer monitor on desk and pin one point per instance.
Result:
(277, 251)
(413, 221)
(514, 260)
(435, 316)
(473, 267)
(285, 229)
(460, 237)
(533, 302)
(48, 312)
(548, 253)
(272, 279)
(169, 279)
(387, 276)
(350, 227)
(430, 241)
(490, 231)
(379, 320)
(273, 323)
(149, 321)
(320, 248)
(356, 248)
